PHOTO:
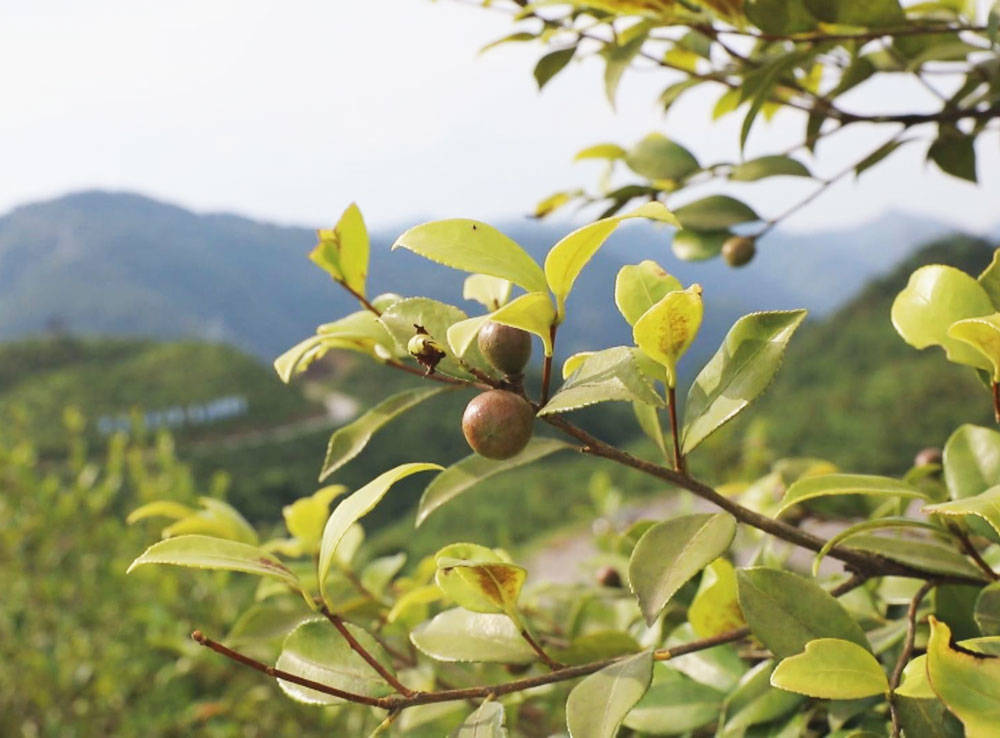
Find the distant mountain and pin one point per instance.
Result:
(123, 264)
(852, 391)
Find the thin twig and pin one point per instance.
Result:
(547, 366)
(537, 648)
(972, 552)
(674, 432)
(904, 655)
(996, 402)
(383, 672)
(361, 298)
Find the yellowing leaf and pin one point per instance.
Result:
(983, 334)
(306, 517)
(490, 292)
(985, 505)
(967, 682)
(666, 330)
(936, 297)
(343, 251)
(716, 609)
(532, 312)
(832, 669)
(567, 258)
(574, 362)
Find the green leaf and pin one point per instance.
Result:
(601, 151)
(470, 471)
(867, 525)
(306, 517)
(869, 14)
(935, 297)
(926, 555)
(266, 622)
(343, 251)
(350, 440)
(715, 609)
(955, 154)
(378, 573)
(714, 213)
(490, 292)
(649, 421)
(567, 258)
(926, 718)
(672, 552)
(768, 166)
(317, 652)
(356, 506)
(971, 461)
(604, 376)
(461, 635)
(640, 286)
(983, 334)
(298, 358)
(486, 722)
(990, 279)
(463, 334)
(474, 247)
(596, 646)
(618, 56)
(205, 552)
(987, 612)
(551, 64)
(742, 368)
(666, 330)
(698, 245)
(756, 702)
(656, 157)
(779, 16)
(985, 505)
(674, 704)
(967, 683)
(533, 312)
(786, 611)
(216, 518)
(597, 705)
(832, 669)
(160, 508)
(826, 485)
(915, 682)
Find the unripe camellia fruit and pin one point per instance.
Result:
(505, 347)
(738, 250)
(497, 424)
(608, 576)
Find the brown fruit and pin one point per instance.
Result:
(497, 424)
(608, 576)
(929, 455)
(738, 250)
(505, 347)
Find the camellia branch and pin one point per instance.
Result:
(674, 431)
(907, 651)
(973, 552)
(547, 366)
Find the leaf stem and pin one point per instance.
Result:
(536, 647)
(675, 434)
(389, 677)
(972, 552)
(361, 298)
(547, 366)
(996, 401)
(907, 651)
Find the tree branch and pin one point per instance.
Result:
(904, 655)
(383, 672)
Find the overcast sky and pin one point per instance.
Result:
(288, 111)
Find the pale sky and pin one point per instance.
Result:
(287, 111)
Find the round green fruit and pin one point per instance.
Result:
(505, 347)
(738, 250)
(497, 424)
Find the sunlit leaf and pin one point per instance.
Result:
(715, 609)
(640, 286)
(832, 669)
(462, 635)
(656, 157)
(534, 313)
(603, 376)
(343, 251)
(490, 292)
(666, 330)
(306, 517)
(985, 505)
(714, 213)
(968, 683)
(826, 485)
(983, 334)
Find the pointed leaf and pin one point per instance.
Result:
(350, 440)
(598, 704)
(826, 485)
(608, 375)
(967, 683)
(714, 213)
(533, 312)
(472, 470)
(461, 635)
(316, 651)
(786, 611)
(832, 669)
(742, 368)
(670, 553)
(928, 555)
(640, 286)
(656, 157)
(205, 552)
(567, 258)
(666, 330)
(486, 722)
(551, 64)
(935, 297)
(474, 247)
(356, 506)
(343, 251)
(985, 505)
(868, 525)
